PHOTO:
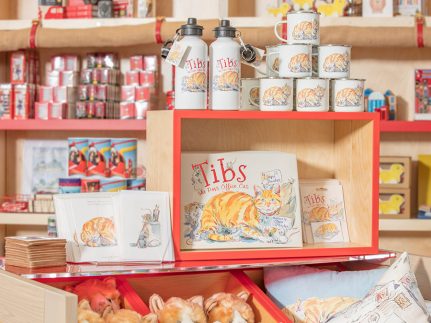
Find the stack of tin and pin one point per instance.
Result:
(303, 75)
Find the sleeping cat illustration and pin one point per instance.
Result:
(336, 63)
(349, 97)
(310, 97)
(98, 232)
(306, 30)
(195, 82)
(276, 95)
(228, 213)
(228, 81)
(300, 63)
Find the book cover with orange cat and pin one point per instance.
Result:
(244, 199)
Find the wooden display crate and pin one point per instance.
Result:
(395, 172)
(394, 203)
(344, 146)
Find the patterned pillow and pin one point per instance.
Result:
(316, 310)
(395, 298)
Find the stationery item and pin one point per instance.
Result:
(112, 185)
(302, 28)
(377, 8)
(348, 95)
(99, 153)
(78, 155)
(35, 252)
(69, 185)
(6, 101)
(115, 227)
(323, 211)
(89, 185)
(312, 94)
(276, 94)
(334, 61)
(244, 199)
(123, 157)
(422, 94)
(136, 184)
(21, 101)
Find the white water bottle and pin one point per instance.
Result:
(225, 69)
(191, 79)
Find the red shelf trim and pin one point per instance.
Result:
(74, 124)
(405, 126)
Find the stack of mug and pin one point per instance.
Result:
(303, 75)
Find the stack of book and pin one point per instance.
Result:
(34, 252)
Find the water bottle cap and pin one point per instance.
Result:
(191, 28)
(225, 29)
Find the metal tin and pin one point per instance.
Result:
(249, 94)
(334, 61)
(294, 60)
(348, 95)
(276, 94)
(302, 28)
(312, 94)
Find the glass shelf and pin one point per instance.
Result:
(95, 270)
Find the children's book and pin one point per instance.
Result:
(323, 212)
(243, 199)
(115, 227)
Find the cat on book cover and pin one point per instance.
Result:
(238, 216)
(148, 237)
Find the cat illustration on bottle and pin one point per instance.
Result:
(277, 95)
(98, 232)
(349, 97)
(306, 30)
(196, 82)
(310, 97)
(336, 63)
(227, 81)
(300, 63)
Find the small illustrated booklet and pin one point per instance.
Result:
(127, 226)
(243, 199)
(323, 212)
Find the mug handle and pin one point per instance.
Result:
(270, 67)
(254, 104)
(276, 31)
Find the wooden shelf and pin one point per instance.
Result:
(74, 124)
(421, 225)
(24, 218)
(405, 126)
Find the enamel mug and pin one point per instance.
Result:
(272, 60)
(334, 61)
(312, 94)
(249, 94)
(294, 60)
(302, 28)
(348, 95)
(276, 94)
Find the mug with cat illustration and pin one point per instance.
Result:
(249, 94)
(276, 94)
(312, 94)
(293, 60)
(302, 28)
(272, 61)
(334, 61)
(348, 95)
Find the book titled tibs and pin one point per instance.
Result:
(112, 227)
(240, 200)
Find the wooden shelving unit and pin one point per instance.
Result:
(38, 219)
(418, 225)
(405, 126)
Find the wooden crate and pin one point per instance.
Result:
(390, 197)
(390, 171)
(344, 146)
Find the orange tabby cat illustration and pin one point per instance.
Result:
(319, 214)
(336, 63)
(98, 232)
(254, 95)
(306, 30)
(227, 212)
(227, 81)
(326, 231)
(195, 82)
(175, 310)
(310, 97)
(276, 95)
(227, 308)
(349, 97)
(300, 63)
